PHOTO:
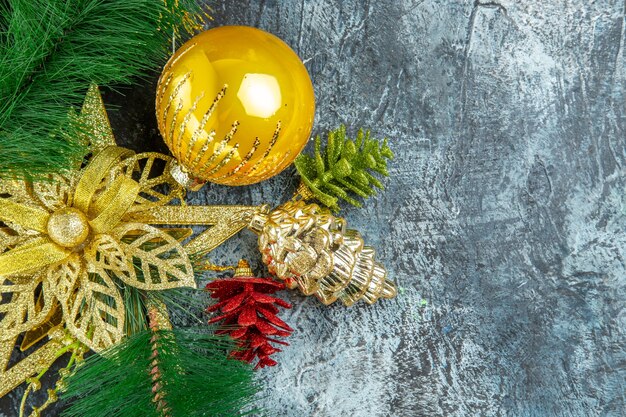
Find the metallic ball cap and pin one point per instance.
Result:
(68, 227)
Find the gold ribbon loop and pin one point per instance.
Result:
(126, 191)
(32, 257)
(105, 213)
(98, 168)
(26, 216)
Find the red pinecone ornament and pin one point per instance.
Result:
(249, 314)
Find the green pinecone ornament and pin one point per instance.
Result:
(310, 249)
(344, 168)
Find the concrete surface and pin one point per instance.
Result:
(503, 223)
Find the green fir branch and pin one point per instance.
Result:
(195, 376)
(52, 50)
(344, 168)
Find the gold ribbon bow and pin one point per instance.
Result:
(69, 227)
(70, 238)
(68, 245)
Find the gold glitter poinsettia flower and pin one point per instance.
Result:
(67, 241)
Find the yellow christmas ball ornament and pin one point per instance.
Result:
(235, 106)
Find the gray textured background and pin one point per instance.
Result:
(503, 223)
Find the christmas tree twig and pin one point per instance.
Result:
(52, 50)
(186, 371)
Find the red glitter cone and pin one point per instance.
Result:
(248, 314)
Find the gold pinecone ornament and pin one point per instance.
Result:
(309, 248)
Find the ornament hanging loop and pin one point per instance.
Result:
(182, 176)
(208, 266)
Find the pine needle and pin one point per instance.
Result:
(52, 50)
(196, 378)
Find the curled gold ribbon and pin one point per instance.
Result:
(105, 212)
(94, 173)
(21, 259)
(29, 217)
(111, 214)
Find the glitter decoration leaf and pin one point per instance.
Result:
(17, 191)
(22, 312)
(95, 315)
(9, 238)
(161, 257)
(53, 193)
(95, 121)
(106, 253)
(12, 375)
(64, 277)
